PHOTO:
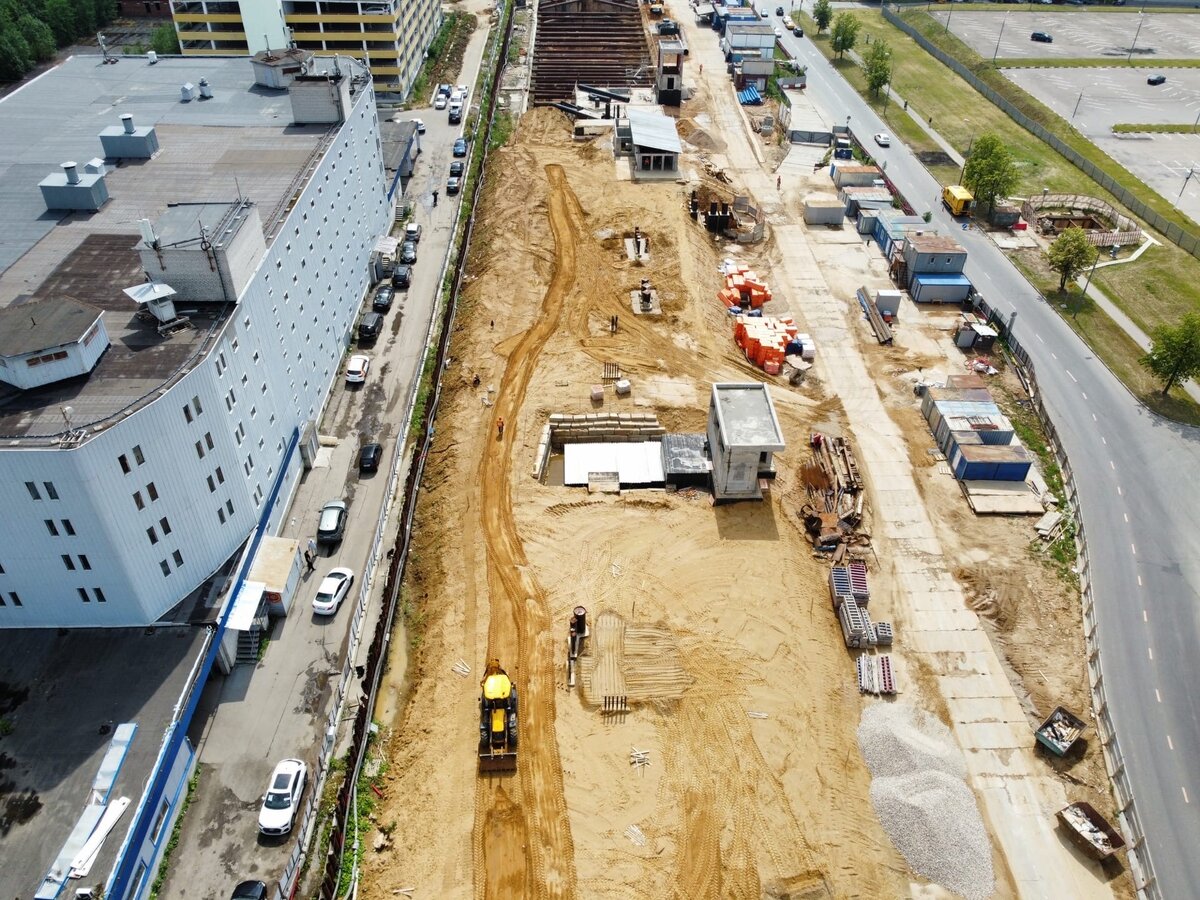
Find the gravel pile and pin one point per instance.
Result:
(922, 801)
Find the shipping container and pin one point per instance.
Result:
(936, 395)
(990, 463)
(927, 287)
(954, 438)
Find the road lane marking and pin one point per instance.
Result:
(1146, 618)
(1072, 377)
(1112, 465)
(1157, 695)
(1170, 743)
(1094, 419)
(1185, 796)
(1133, 548)
(1150, 651)
(1139, 580)
(1038, 336)
(1126, 515)
(1055, 355)
(1120, 493)
(1104, 441)
(1082, 394)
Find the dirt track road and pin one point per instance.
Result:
(522, 838)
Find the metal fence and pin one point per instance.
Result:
(1138, 853)
(1172, 231)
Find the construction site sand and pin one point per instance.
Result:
(723, 611)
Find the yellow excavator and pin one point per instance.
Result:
(497, 720)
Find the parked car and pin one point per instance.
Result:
(453, 183)
(883, 139)
(332, 591)
(460, 147)
(408, 253)
(668, 26)
(382, 301)
(763, 15)
(456, 169)
(249, 890)
(412, 232)
(370, 326)
(778, 32)
(797, 31)
(357, 368)
(369, 457)
(439, 102)
(401, 277)
(332, 523)
(1156, 80)
(282, 799)
(444, 90)
(420, 126)
(1041, 37)
(779, 10)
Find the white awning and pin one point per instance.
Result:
(149, 291)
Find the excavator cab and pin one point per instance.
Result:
(497, 720)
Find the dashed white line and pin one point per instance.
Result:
(1139, 578)
(1094, 419)
(1083, 395)
(1170, 743)
(1120, 493)
(1145, 617)
(1105, 442)
(1072, 377)
(1150, 652)
(1112, 465)
(1157, 695)
(1185, 796)
(1055, 355)
(1126, 515)
(1038, 336)
(1133, 547)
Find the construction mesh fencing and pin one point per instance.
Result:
(1172, 231)
(1138, 853)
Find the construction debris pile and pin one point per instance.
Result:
(835, 498)
(1060, 731)
(921, 798)
(1090, 831)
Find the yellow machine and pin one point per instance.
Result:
(497, 720)
(957, 199)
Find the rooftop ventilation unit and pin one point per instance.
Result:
(95, 166)
(156, 306)
(206, 91)
(129, 141)
(70, 190)
(151, 57)
(187, 92)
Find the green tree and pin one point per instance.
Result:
(990, 171)
(164, 40)
(106, 11)
(878, 61)
(61, 19)
(15, 57)
(1070, 254)
(38, 36)
(845, 32)
(822, 14)
(85, 19)
(1175, 352)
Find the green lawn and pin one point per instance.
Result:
(1159, 288)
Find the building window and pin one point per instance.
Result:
(33, 491)
(83, 595)
(68, 562)
(50, 491)
(165, 566)
(196, 405)
(14, 598)
(187, 413)
(220, 476)
(152, 534)
(50, 527)
(137, 455)
(229, 506)
(166, 526)
(124, 463)
(83, 561)
(199, 449)
(159, 821)
(137, 500)
(178, 557)
(152, 492)
(221, 514)
(212, 485)
(208, 441)
(68, 527)
(100, 598)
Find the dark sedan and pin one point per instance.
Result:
(460, 147)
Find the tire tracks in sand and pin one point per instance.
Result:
(522, 836)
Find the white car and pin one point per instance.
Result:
(332, 591)
(883, 139)
(282, 799)
(356, 369)
(439, 102)
(420, 126)
(779, 33)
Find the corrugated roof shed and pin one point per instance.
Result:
(935, 243)
(651, 129)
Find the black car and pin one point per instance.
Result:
(1041, 37)
(331, 524)
(797, 31)
(370, 326)
(408, 253)
(401, 276)
(369, 457)
(249, 890)
(1156, 80)
(382, 301)
(453, 183)
(779, 10)
(456, 169)
(460, 147)
(445, 89)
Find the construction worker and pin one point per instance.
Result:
(435, 193)
(778, 182)
(500, 427)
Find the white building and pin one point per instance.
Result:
(130, 482)
(743, 437)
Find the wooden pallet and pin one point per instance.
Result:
(612, 371)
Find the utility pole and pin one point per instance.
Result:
(1076, 109)
(1000, 35)
(1187, 178)
(1141, 19)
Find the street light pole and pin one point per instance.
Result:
(1141, 19)
(1076, 109)
(1000, 35)
(949, 16)
(963, 173)
(1197, 122)
(1186, 178)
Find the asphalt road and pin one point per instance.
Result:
(1138, 497)
(260, 714)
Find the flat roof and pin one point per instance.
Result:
(66, 693)
(44, 323)
(763, 28)
(935, 243)
(653, 129)
(956, 278)
(746, 416)
(239, 143)
(396, 138)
